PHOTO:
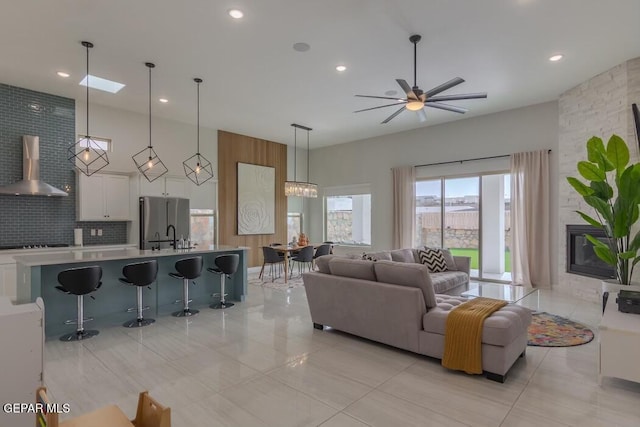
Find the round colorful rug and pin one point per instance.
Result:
(549, 330)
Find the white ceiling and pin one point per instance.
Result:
(256, 84)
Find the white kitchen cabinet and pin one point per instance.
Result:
(8, 280)
(103, 197)
(165, 187)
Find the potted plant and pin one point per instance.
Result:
(613, 191)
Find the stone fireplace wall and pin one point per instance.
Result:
(600, 106)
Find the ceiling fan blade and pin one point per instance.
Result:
(388, 119)
(406, 88)
(422, 115)
(380, 97)
(446, 107)
(458, 97)
(444, 86)
(381, 106)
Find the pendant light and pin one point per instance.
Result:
(146, 160)
(86, 155)
(197, 168)
(295, 187)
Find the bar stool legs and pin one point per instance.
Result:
(139, 321)
(80, 333)
(186, 311)
(223, 303)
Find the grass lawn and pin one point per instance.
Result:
(473, 253)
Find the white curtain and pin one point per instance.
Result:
(530, 259)
(404, 206)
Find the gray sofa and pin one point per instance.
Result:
(395, 303)
(453, 281)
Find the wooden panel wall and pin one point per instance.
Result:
(234, 148)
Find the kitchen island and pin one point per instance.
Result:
(37, 277)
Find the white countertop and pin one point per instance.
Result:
(7, 256)
(89, 254)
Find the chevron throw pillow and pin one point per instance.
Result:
(433, 259)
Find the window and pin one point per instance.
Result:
(103, 144)
(348, 219)
(203, 227)
(294, 225)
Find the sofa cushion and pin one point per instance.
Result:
(323, 263)
(500, 329)
(447, 280)
(407, 274)
(354, 268)
(402, 255)
(433, 259)
(448, 259)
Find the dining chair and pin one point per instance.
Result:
(271, 257)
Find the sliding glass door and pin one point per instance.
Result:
(470, 216)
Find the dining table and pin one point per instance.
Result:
(288, 250)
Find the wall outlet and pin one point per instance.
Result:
(93, 231)
(99, 231)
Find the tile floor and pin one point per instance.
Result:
(260, 363)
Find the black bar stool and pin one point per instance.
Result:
(226, 265)
(80, 282)
(188, 269)
(139, 274)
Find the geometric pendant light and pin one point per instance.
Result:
(300, 188)
(86, 154)
(147, 160)
(197, 168)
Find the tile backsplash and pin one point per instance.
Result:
(28, 220)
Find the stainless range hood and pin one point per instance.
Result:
(30, 185)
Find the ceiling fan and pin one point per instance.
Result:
(416, 99)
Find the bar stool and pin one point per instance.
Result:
(80, 281)
(139, 274)
(226, 265)
(188, 269)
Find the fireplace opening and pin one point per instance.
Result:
(581, 259)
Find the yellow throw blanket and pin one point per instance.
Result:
(463, 334)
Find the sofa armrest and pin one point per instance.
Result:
(463, 263)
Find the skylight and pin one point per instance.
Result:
(102, 84)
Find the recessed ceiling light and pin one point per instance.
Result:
(391, 92)
(301, 47)
(63, 74)
(102, 84)
(236, 13)
(341, 68)
(555, 58)
(163, 100)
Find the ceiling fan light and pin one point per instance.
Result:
(414, 105)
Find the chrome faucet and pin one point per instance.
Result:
(173, 240)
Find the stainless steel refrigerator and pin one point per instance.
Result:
(156, 214)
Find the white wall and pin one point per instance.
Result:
(370, 161)
(601, 106)
(173, 141)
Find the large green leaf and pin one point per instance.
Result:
(595, 146)
(606, 255)
(590, 220)
(581, 188)
(600, 189)
(598, 154)
(596, 243)
(618, 153)
(603, 208)
(621, 218)
(627, 254)
(635, 243)
(591, 171)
